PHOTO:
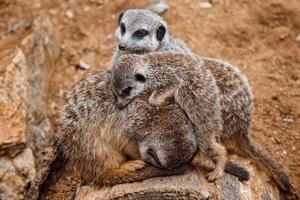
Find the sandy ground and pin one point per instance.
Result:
(257, 36)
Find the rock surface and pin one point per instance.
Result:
(192, 185)
(24, 125)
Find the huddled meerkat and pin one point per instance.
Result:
(141, 31)
(174, 76)
(96, 137)
(92, 139)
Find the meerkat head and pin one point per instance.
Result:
(165, 135)
(140, 31)
(128, 79)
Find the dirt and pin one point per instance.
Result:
(257, 36)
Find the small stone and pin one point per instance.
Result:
(18, 58)
(298, 38)
(284, 152)
(6, 166)
(288, 119)
(229, 187)
(69, 14)
(205, 5)
(83, 65)
(14, 27)
(24, 162)
(275, 140)
(160, 7)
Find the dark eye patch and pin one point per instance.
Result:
(140, 78)
(140, 33)
(122, 27)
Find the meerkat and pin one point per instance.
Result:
(173, 75)
(142, 31)
(223, 89)
(92, 140)
(97, 138)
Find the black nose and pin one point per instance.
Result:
(122, 47)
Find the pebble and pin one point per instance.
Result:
(298, 38)
(14, 27)
(284, 152)
(160, 7)
(69, 14)
(83, 65)
(205, 5)
(289, 120)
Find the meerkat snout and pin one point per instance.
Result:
(122, 47)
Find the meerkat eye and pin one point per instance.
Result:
(140, 33)
(140, 78)
(126, 91)
(123, 30)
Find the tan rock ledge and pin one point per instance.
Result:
(191, 185)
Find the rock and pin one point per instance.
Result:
(14, 27)
(12, 106)
(24, 163)
(205, 5)
(229, 187)
(41, 49)
(191, 185)
(6, 166)
(24, 125)
(83, 65)
(160, 7)
(12, 186)
(69, 14)
(187, 186)
(298, 38)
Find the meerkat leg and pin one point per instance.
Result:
(201, 160)
(118, 175)
(137, 170)
(219, 157)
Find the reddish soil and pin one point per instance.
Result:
(257, 36)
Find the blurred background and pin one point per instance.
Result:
(46, 46)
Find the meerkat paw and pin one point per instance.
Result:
(124, 174)
(214, 175)
(133, 165)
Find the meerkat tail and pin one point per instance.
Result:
(241, 173)
(46, 175)
(267, 163)
(148, 172)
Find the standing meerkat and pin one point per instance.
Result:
(173, 76)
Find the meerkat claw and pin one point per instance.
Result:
(133, 165)
(214, 175)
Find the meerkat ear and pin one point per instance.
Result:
(161, 98)
(160, 33)
(120, 17)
